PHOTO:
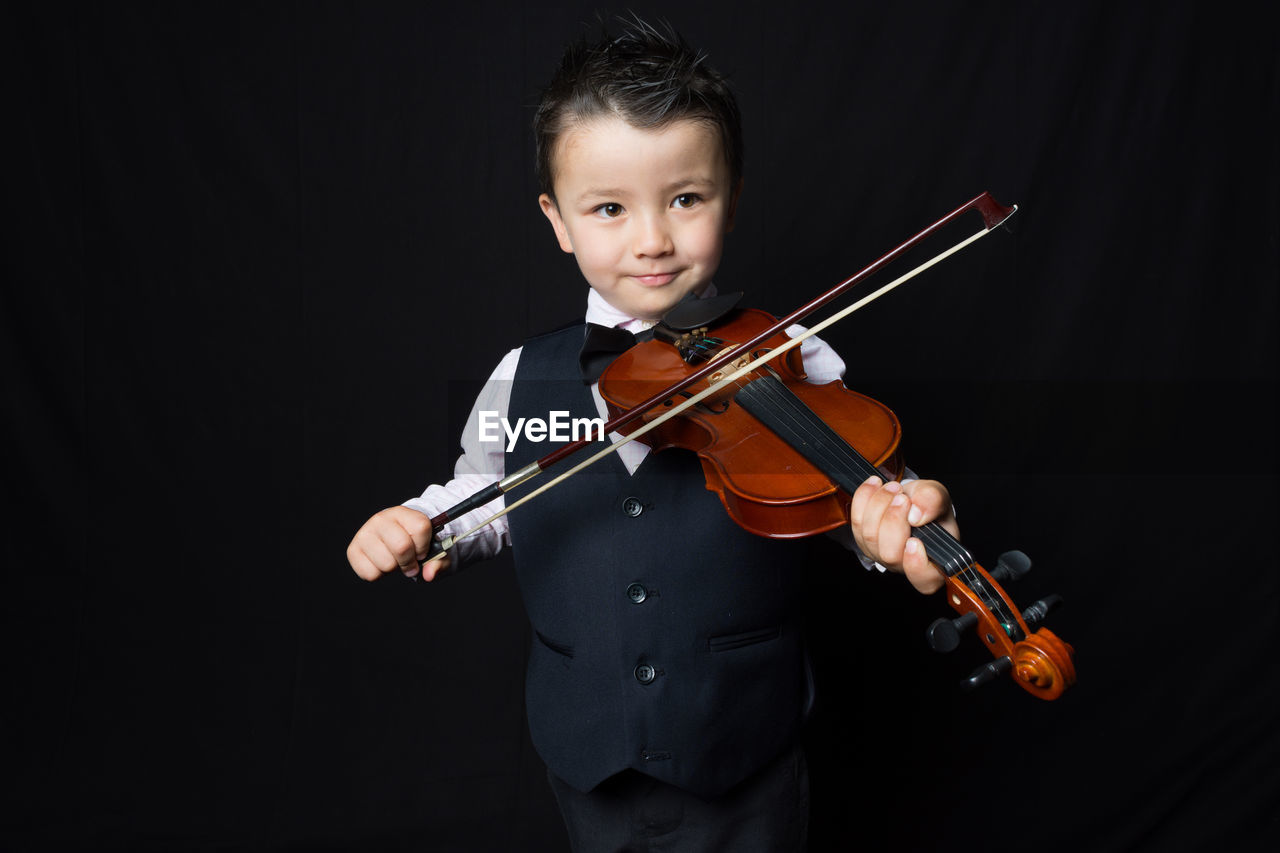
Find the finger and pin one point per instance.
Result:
(935, 505)
(418, 527)
(361, 564)
(873, 521)
(412, 549)
(439, 566)
(857, 510)
(382, 556)
(399, 544)
(861, 496)
(894, 529)
(930, 501)
(921, 574)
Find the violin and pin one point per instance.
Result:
(785, 456)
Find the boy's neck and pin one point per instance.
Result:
(600, 312)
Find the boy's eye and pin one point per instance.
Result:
(610, 210)
(686, 200)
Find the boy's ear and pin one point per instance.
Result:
(733, 206)
(549, 210)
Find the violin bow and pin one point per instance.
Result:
(993, 215)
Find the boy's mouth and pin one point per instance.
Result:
(655, 279)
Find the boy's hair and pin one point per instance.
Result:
(645, 76)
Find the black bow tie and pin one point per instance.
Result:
(601, 345)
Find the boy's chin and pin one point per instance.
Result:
(649, 305)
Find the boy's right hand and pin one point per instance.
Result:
(396, 538)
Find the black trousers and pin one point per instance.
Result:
(632, 813)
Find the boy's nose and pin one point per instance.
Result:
(652, 238)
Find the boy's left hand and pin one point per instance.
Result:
(882, 516)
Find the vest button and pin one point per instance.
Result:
(645, 673)
(632, 507)
(637, 593)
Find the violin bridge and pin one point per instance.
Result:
(733, 366)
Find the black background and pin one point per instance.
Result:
(260, 257)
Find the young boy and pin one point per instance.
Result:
(666, 682)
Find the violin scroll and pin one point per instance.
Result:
(1043, 665)
(1038, 661)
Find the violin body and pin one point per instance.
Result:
(765, 486)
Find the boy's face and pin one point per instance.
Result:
(644, 212)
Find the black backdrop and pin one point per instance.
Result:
(260, 257)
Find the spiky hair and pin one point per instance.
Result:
(646, 75)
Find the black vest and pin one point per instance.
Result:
(666, 638)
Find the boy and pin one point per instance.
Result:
(666, 682)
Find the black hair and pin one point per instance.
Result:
(648, 77)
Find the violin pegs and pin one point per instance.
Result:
(944, 634)
(1011, 566)
(1034, 614)
(988, 672)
